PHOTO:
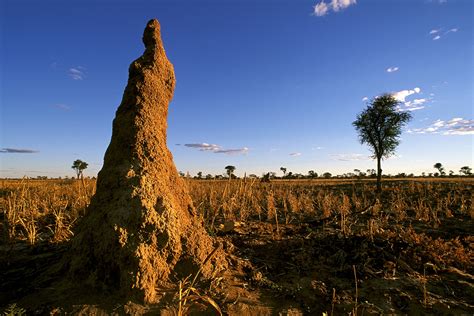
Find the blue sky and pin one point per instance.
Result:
(260, 84)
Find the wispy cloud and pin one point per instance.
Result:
(455, 126)
(235, 151)
(17, 151)
(349, 157)
(216, 148)
(204, 146)
(403, 94)
(322, 8)
(317, 148)
(63, 107)
(295, 154)
(77, 73)
(413, 105)
(392, 69)
(438, 33)
(407, 105)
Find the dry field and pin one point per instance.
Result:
(297, 246)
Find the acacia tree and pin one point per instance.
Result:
(230, 171)
(440, 168)
(283, 169)
(466, 170)
(371, 172)
(79, 166)
(380, 126)
(312, 174)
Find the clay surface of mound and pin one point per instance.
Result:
(141, 229)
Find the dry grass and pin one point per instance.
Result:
(42, 210)
(420, 216)
(37, 210)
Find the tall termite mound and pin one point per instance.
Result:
(141, 229)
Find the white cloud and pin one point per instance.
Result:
(204, 146)
(17, 151)
(408, 105)
(413, 105)
(322, 8)
(414, 108)
(455, 126)
(341, 4)
(436, 33)
(77, 73)
(216, 148)
(365, 99)
(392, 69)
(295, 154)
(415, 102)
(401, 95)
(235, 151)
(349, 157)
(454, 120)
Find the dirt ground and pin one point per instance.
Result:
(309, 268)
(377, 265)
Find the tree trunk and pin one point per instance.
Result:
(379, 175)
(141, 231)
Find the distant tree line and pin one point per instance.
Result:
(464, 171)
(311, 174)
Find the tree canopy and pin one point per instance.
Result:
(230, 170)
(380, 126)
(440, 168)
(79, 166)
